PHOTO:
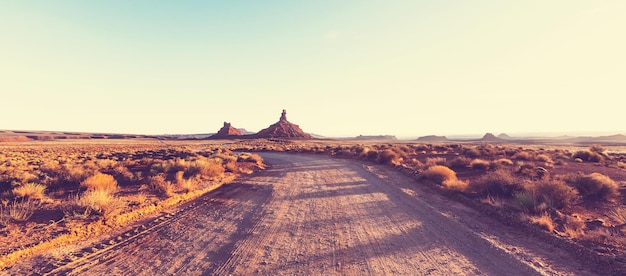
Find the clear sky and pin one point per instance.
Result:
(340, 68)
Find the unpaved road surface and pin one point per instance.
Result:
(314, 215)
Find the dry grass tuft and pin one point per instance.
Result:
(30, 190)
(619, 215)
(439, 174)
(479, 164)
(544, 221)
(102, 202)
(101, 182)
(207, 168)
(188, 185)
(455, 185)
(159, 185)
(22, 210)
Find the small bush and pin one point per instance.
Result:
(504, 161)
(528, 202)
(30, 190)
(588, 155)
(100, 181)
(439, 174)
(554, 193)
(158, 184)
(472, 152)
(102, 202)
(544, 221)
(207, 168)
(544, 158)
(459, 162)
(498, 182)
(479, 164)
(455, 185)
(388, 156)
(522, 155)
(188, 185)
(595, 186)
(435, 161)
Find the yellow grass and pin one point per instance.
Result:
(30, 190)
(100, 181)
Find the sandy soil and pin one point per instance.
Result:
(315, 215)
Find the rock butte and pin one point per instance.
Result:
(281, 129)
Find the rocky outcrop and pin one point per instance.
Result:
(227, 131)
(283, 129)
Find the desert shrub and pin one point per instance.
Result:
(455, 184)
(471, 152)
(434, 161)
(100, 181)
(595, 186)
(459, 162)
(101, 202)
(544, 221)
(527, 202)
(588, 155)
(479, 164)
(188, 185)
(522, 155)
(554, 193)
(544, 158)
(22, 210)
(498, 182)
(207, 168)
(30, 190)
(159, 185)
(504, 161)
(388, 156)
(439, 174)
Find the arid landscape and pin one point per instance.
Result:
(312, 137)
(258, 206)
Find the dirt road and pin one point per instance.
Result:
(314, 215)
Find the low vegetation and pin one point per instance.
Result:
(53, 194)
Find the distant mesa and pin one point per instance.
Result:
(376, 137)
(283, 129)
(433, 138)
(227, 131)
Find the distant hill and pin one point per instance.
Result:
(489, 137)
(376, 137)
(505, 136)
(433, 138)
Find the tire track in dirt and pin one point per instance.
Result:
(315, 215)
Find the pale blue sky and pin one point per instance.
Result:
(340, 68)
